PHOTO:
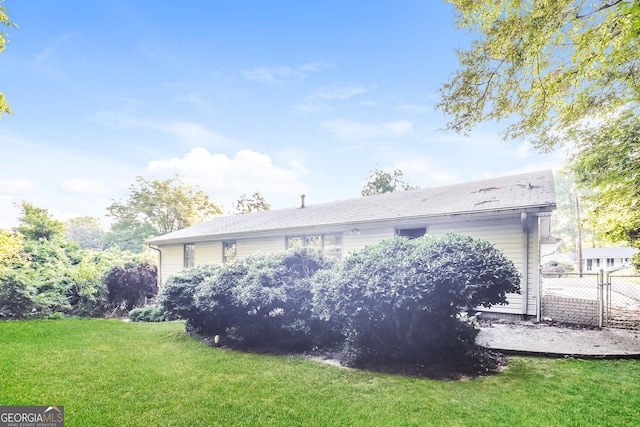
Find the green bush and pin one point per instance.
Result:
(261, 300)
(149, 314)
(17, 295)
(399, 300)
(265, 300)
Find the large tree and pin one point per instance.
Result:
(86, 231)
(385, 182)
(544, 65)
(35, 223)
(5, 21)
(158, 207)
(254, 203)
(607, 161)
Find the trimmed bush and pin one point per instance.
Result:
(178, 293)
(259, 301)
(264, 300)
(149, 314)
(399, 300)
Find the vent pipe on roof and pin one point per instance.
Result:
(302, 200)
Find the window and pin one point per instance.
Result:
(229, 251)
(189, 255)
(593, 264)
(331, 244)
(411, 233)
(610, 262)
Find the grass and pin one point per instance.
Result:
(111, 373)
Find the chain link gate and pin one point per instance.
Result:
(620, 300)
(594, 299)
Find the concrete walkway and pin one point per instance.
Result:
(542, 339)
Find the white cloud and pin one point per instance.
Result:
(349, 131)
(414, 107)
(44, 54)
(318, 101)
(523, 151)
(279, 73)
(426, 173)
(340, 92)
(225, 178)
(84, 186)
(191, 133)
(16, 186)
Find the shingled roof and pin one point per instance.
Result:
(525, 192)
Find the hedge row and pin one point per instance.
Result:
(398, 300)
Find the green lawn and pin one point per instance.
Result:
(111, 373)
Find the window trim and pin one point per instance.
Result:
(225, 259)
(303, 238)
(188, 256)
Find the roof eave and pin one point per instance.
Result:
(542, 208)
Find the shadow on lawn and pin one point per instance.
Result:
(476, 363)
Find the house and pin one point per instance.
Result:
(511, 212)
(594, 259)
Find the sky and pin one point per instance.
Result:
(281, 97)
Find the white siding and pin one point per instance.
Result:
(354, 240)
(246, 247)
(208, 253)
(172, 260)
(506, 234)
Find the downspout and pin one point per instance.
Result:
(525, 262)
(159, 278)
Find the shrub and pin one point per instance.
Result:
(263, 300)
(17, 295)
(149, 314)
(131, 284)
(177, 296)
(555, 267)
(399, 300)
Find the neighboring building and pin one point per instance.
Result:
(594, 259)
(512, 212)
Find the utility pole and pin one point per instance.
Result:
(579, 233)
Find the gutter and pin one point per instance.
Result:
(525, 262)
(159, 279)
(536, 210)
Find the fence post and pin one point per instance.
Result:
(600, 298)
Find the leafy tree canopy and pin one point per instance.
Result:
(10, 249)
(607, 162)
(86, 231)
(37, 224)
(565, 221)
(254, 203)
(548, 64)
(159, 207)
(5, 21)
(385, 182)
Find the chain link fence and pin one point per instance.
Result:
(593, 299)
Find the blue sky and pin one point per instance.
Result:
(281, 97)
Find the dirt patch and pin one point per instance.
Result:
(558, 339)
